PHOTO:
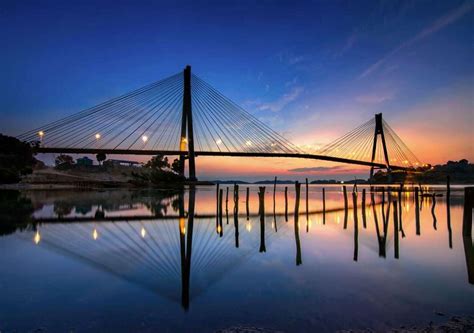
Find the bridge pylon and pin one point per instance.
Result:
(379, 132)
(187, 133)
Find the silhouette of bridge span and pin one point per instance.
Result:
(185, 116)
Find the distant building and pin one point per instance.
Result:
(84, 161)
(121, 163)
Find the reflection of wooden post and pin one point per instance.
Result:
(307, 200)
(344, 190)
(395, 229)
(286, 203)
(261, 210)
(467, 215)
(236, 214)
(324, 206)
(417, 212)
(433, 211)
(364, 216)
(356, 226)
(296, 222)
(247, 203)
(274, 204)
(400, 208)
(469, 254)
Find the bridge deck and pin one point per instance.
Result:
(210, 153)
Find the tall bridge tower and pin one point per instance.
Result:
(187, 134)
(379, 132)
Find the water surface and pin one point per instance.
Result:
(173, 261)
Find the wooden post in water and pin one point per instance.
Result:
(227, 204)
(395, 229)
(286, 203)
(417, 211)
(354, 207)
(296, 224)
(448, 211)
(219, 226)
(467, 215)
(324, 206)
(307, 200)
(364, 216)
(344, 190)
(261, 211)
(236, 214)
(217, 205)
(433, 211)
(247, 203)
(469, 254)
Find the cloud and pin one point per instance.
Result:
(282, 101)
(349, 43)
(372, 99)
(439, 24)
(316, 169)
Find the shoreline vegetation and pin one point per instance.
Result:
(19, 169)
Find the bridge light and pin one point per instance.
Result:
(248, 143)
(95, 234)
(406, 162)
(37, 237)
(143, 232)
(144, 138)
(219, 141)
(41, 134)
(97, 136)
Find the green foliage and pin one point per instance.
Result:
(101, 157)
(16, 159)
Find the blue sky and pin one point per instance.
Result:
(312, 70)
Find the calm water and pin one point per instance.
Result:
(114, 261)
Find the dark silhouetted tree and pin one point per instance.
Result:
(101, 157)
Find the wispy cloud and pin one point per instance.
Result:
(281, 102)
(375, 98)
(439, 24)
(349, 43)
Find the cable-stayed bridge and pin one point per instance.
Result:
(184, 116)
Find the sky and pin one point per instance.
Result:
(311, 70)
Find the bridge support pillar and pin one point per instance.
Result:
(379, 131)
(187, 133)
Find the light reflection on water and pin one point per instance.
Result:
(172, 260)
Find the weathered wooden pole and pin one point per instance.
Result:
(261, 211)
(467, 214)
(307, 200)
(286, 203)
(344, 190)
(448, 211)
(395, 229)
(219, 226)
(217, 205)
(236, 214)
(247, 203)
(417, 212)
(299, 261)
(364, 216)
(469, 254)
(354, 207)
(227, 204)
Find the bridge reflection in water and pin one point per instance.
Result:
(181, 252)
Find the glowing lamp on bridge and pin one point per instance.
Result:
(41, 134)
(37, 237)
(97, 136)
(144, 138)
(219, 141)
(248, 143)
